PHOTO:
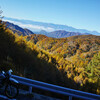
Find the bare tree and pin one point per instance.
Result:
(1, 14)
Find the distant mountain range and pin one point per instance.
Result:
(54, 34)
(61, 33)
(48, 27)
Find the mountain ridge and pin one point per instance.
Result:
(49, 26)
(55, 34)
(63, 34)
(18, 30)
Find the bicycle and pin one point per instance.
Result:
(10, 85)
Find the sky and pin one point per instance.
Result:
(81, 14)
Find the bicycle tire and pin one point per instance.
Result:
(7, 90)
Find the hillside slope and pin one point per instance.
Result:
(18, 30)
(77, 56)
(71, 62)
(67, 47)
(25, 59)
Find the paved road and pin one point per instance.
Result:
(24, 95)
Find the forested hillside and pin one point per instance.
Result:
(25, 58)
(67, 47)
(77, 56)
(71, 62)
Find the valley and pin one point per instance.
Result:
(71, 62)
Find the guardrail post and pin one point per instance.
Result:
(71, 93)
(70, 97)
(30, 89)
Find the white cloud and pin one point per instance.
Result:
(30, 26)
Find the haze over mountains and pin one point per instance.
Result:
(55, 34)
(47, 27)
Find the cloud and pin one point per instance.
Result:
(32, 27)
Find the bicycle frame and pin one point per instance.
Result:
(8, 79)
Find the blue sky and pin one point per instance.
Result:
(82, 14)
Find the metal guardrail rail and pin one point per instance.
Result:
(56, 89)
(2, 97)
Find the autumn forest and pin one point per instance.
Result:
(72, 62)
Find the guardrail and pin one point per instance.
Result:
(56, 89)
(2, 97)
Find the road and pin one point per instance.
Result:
(24, 95)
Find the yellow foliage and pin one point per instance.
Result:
(60, 68)
(80, 70)
(78, 79)
(98, 90)
(69, 75)
(49, 59)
